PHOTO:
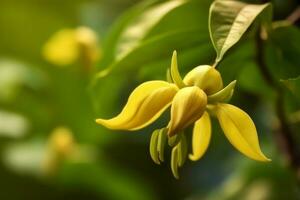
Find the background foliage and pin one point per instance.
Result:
(36, 97)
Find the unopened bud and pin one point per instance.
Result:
(206, 78)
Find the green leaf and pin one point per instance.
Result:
(143, 24)
(229, 20)
(175, 21)
(293, 84)
(282, 52)
(183, 28)
(110, 43)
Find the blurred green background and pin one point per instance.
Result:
(51, 147)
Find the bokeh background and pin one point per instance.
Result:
(51, 92)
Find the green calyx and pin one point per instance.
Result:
(223, 95)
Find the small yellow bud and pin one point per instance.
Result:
(206, 78)
(60, 146)
(62, 141)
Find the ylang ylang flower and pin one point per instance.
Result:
(193, 99)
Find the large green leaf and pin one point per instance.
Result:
(143, 24)
(157, 48)
(229, 20)
(165, 26)
(147, 55)
(110, 43)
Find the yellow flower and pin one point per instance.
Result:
(192, 101)
(69, 45)
(60, 146)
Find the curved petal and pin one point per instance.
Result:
(188, 105)
(201, 137)
(240, 131)
(145, 104)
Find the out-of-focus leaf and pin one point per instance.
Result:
(25, 157)
(14, 75)
(250, 74)
(229, 20)
(241, 55)
(158, 48)
(143, 24)
(152, 50)
(147, 36)
(283, 51)
(293, 85)
(32, 157)
(252, 181)
(110, 44)
(106, 179)
(12, 125)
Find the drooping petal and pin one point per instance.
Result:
(201, 137)
(145, 104)
(188, 105)
(240, 131)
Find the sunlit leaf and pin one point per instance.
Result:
(229, 20)
(143, 24)
(105, 179)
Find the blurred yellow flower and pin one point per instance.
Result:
(70, 45)
(60, 145)
(192, 100)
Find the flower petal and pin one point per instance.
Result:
(174, 71)
(145, 104)
(201, 137)
(188, 105)
(240, 131)
(206, 78)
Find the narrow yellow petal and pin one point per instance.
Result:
(145, 104)
(201, 137)
(188, 106)
(174, 71)
(240, 131)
